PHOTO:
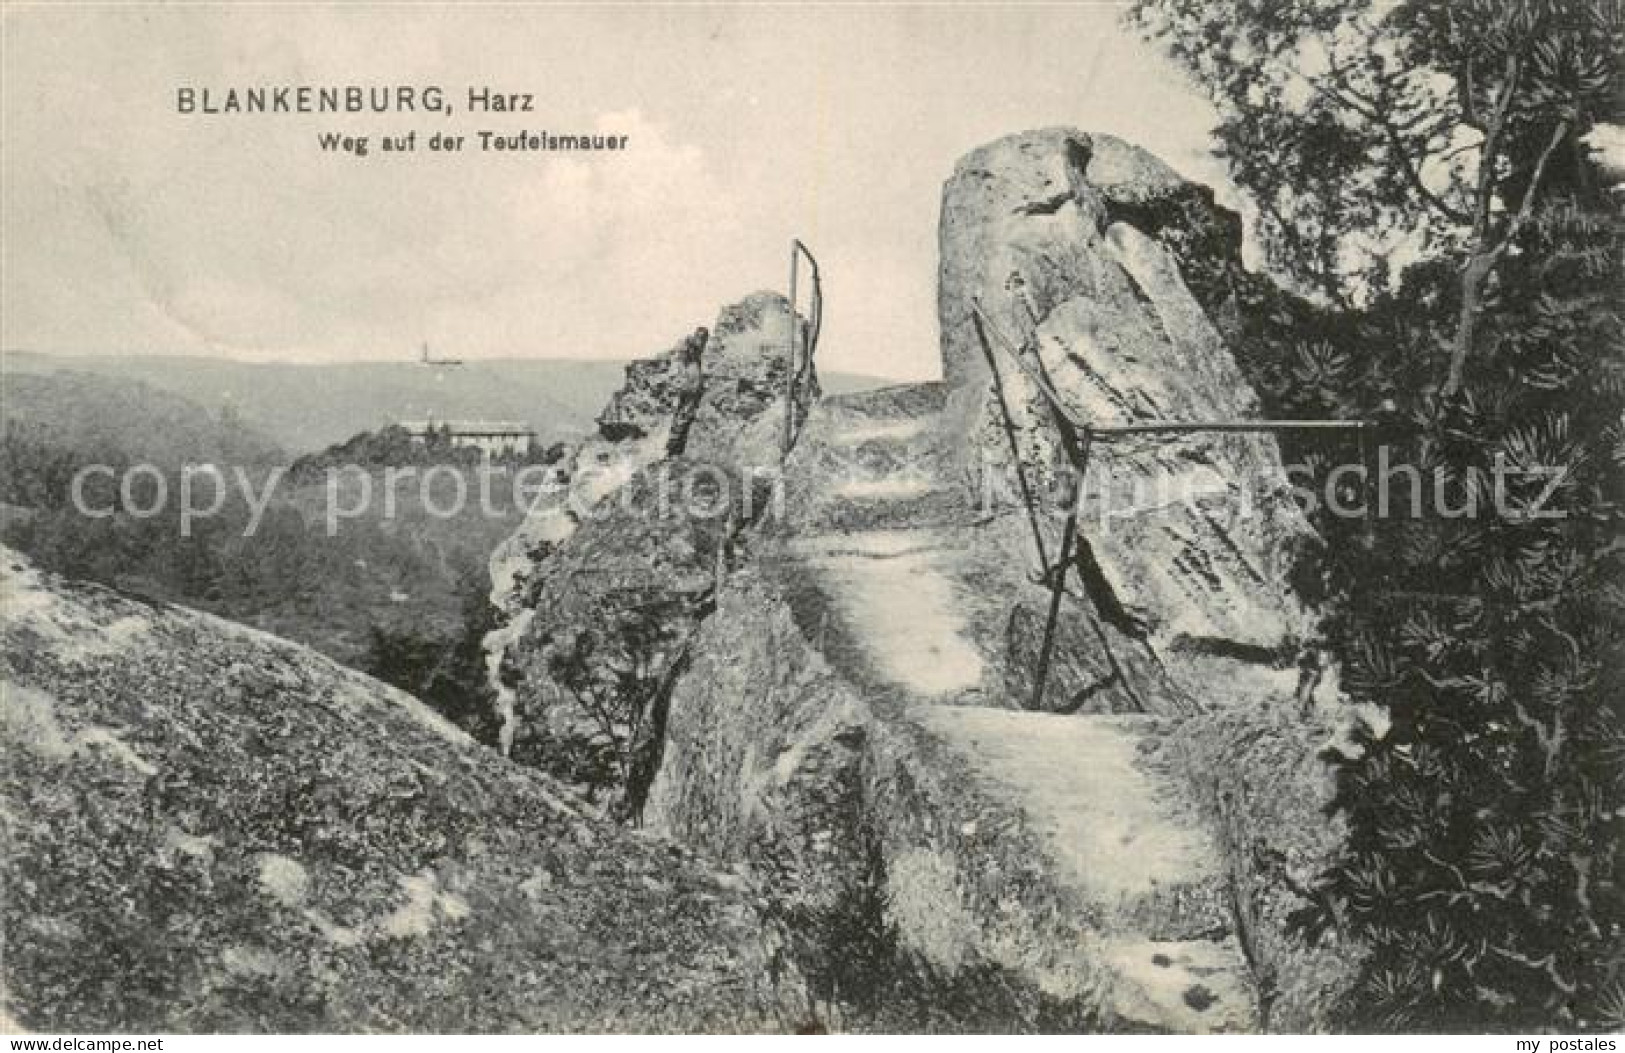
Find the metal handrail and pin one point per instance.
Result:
(1078, 436)
(1015, 445)
(1056, 405)
(795, 373)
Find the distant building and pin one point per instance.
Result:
(494, 438)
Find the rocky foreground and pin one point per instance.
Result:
(210, 829)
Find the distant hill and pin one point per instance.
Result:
(411, 574)
(307, 407)
(125, 420)
(843, 383)
(405, 574)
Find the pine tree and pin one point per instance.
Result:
(1482, 869)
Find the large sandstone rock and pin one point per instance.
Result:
(855, 722)
(739, 423)
(1084, 251)
(210, 829)
(627, 547)
(1038, 204)
(609, 625)
(741, 411)
(840, 695)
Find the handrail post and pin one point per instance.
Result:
(792, 370)
(1069, 541)
(1077, 438)
(1015, 446)
(790, 357)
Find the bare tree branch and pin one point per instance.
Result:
(1560, 132)
(1346, 96)
(1485, 196)
(1466, 86)
(1547, 965)
(1480, 261)
(1484, 256)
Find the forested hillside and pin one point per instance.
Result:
(305, 406)
(396, 588)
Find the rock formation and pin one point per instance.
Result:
(852, 725)
(738, 423)
(850, 708)
(825, 678)
(210, 829)
(1081, 248)
(595, 627)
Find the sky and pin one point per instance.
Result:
(129, 228)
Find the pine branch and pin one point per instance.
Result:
(1560, 132)
(1547, 965)
(1466, 86)
(1485, 195)
(1347, 97)
(1551, 741)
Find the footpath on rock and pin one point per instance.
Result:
(896, 572)
(809, 676)
(837, 688)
